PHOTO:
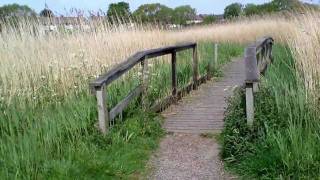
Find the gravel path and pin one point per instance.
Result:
(188, 156)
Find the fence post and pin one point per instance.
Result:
(174, 73)
(103, 114)
(249, 104)
(145, 77)
(195, 67)
(216, 56)
(252, 77)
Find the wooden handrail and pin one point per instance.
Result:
(257, 58)
(99, 85)
(122, 68)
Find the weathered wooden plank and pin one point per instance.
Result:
(125, 66)
(174, 73)
(195, 112)
(216, 56)
(190, 123)
(119, 70)
(180, 93)
(249, 103)
(103, 115)
(195, 67)
(118, 109)
(204, 110)
(195, 119)
(252, 74)
(197, 128)
(196, 131)
(193, 125)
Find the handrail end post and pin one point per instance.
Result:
(249, 104)
(103, 115)
(195, 67)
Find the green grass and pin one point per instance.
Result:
(283, 141)
(57, 138)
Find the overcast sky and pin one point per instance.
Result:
(60, 6)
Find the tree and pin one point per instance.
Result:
(232, 10)
(286, 4)
(46, 13)
(154, 12)
(118, 10)
(182, 14)
(251, 9)
(16, 10)
(209, 19)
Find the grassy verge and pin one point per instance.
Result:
(56, 137)
(283, 141)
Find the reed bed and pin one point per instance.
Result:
(305, 44)
(282, 143)
(63, 62)
(48, 115)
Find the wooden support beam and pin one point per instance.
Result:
(118, 109)
(249, 104)
(216, 56)
(195, 67)
(103, 115)
(174, 73)
(250, 58)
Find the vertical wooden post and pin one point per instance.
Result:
(252, 76)
(144, 83)
(103, 115)
(216, 56)
(249, 104)
(174, 73)
(195, 67)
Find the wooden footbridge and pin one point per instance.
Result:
(203, 110)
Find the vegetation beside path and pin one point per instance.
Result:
(283, 142)
(57, 137)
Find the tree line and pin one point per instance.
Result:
(154, 12)
(146, 13)
(159, 13)
(238, 9)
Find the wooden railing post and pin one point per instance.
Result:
(195, 67)
(249, 104)
(144, 84)
(216, 56)
(103, 115)
(174, 73)
(252, 77)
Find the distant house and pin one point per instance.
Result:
(198, 19)
(52, 24)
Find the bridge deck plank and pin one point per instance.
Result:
(203, 110)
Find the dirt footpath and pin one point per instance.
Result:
(187, 156)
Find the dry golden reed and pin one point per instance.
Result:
(55, 64)
(305, 45)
